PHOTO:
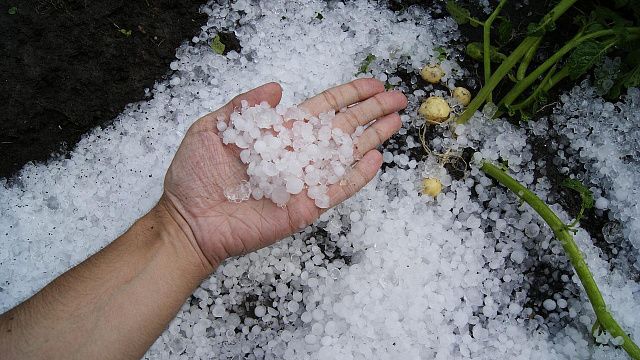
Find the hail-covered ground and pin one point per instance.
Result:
(389, 274)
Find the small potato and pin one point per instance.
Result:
(432, 73)
(431, 187)
(435, 109)
(462, 95)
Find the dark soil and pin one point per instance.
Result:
(69, 66)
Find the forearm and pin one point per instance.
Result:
(114, 304)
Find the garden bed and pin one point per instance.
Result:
(69, 66)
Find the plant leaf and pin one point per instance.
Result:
(629, 76)
(505, 29)
(457, 12)
(585, 56)
(476, 51)
(441, 53)
(626, 42)
(364, 66)
(585, 193)
(635, 8)
(620, 3)
(536, 29)
(217, 46)
(608, 18)
(632, 78)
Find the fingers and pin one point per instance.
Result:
(375, 107)
(377, 133)
(356, 178)
(269, 92)
(342, 96)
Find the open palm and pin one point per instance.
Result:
(204, 167)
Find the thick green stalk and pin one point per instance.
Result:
(495, 79)
(524, 84)
(511, 61)
(486, 42)
(542, 87)
(545, 85)
(557, 77)
(560, 230)
(526, 60)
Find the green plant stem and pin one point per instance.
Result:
(495, 79)
(542, 87)
(475, 22)
(524, 84)
(511, 61)
(557, 77)
(560, 230)
(486, 42)
(545, 86)
(526, 60)
(550, 80)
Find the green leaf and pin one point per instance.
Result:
(458, 13)
(626, 42)
(635, 8)
(585, 195)
(505, 30)
(125, 32)
(620, 3)
(319, 16)
(585, 56)
(476, 51)
(632, 78)
(593, 27)
(608, 18)
(629, 75)
(441, 53)
(535, 29)
(13, 10)
(540, 101)
(217, 46)
(364, 66)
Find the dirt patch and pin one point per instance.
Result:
(69, 66)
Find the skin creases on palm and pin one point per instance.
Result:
(203, 168)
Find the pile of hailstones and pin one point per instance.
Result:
(286, 150)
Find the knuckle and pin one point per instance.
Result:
(352, 119)
(330, 98)
(380, 135)
(360, 148)
(362, 178)
(356, 88)
(380, 104)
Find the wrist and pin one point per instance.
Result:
(174, 230)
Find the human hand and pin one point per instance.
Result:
(204, 167)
